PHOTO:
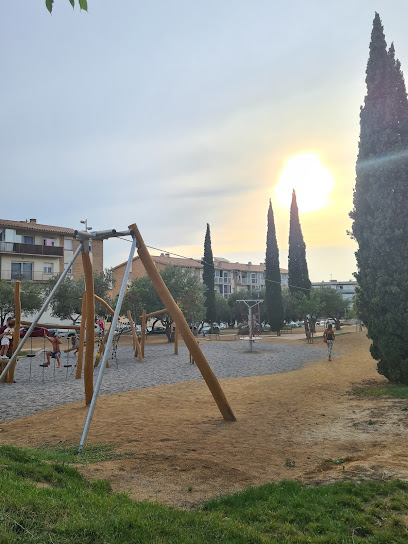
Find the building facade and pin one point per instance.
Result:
(30, 251)
(347, 289)
(228, 277)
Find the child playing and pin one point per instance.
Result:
(5, 339)
(56, 350)
(75, 343)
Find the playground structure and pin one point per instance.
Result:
(251, 304)
(87, 324)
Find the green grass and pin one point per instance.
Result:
(382, 390)
(45, 500)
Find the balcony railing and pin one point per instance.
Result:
(224, 279)
(31, 249)
(27, 275)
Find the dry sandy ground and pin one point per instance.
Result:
(294, 425)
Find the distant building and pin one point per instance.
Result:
(34, 252)
(228, 277)
(345, 288)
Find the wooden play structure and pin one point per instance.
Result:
(144, 317)
(87, 324)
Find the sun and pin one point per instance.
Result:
(311, 180)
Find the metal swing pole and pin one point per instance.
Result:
(107, 347)
(42, 310)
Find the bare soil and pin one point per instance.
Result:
(304, 425)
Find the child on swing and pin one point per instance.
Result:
(6, 337)
(56, 350)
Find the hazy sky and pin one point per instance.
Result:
(172, 114)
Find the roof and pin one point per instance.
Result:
(196, 263)
(34, 227)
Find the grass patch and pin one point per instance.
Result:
(45, 500)
(69, 454)
(381, 390)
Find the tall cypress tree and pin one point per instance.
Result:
(208, 278)
(298, 275)
(273, 289)
(380, 202)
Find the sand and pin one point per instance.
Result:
(303, 425)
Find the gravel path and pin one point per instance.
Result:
(50, 387)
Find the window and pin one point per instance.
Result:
(47, 269)
(21, 271)
(69, 269)
(49, 242)
(28, 239)
(2, 235)
(68, 244)
(253, 277)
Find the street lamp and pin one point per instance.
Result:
(85, 222)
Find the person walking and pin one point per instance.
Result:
(328, 337)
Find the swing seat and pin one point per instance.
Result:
(30, 355)
(67, 366)
(45, 365)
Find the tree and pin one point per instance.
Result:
(31, 296)
(380, 221)
(185, 288)
(208, 278)
(67, 301)
(298, 274)
(334, 305)
(222, 309)
(83, 4)
(273, 288)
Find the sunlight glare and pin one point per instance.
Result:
(311, 180)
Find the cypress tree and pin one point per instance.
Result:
(380, 224)
(273, 289)
(208, 278)
(298, 275)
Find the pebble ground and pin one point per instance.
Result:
(37, 388)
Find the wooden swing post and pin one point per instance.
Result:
(136, 345)
(90, 325)
(81, 340)
(143, 339)
(178, 317)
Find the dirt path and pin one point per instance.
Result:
(290, 426)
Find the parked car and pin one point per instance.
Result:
(330, 320)
(157, 330)
(321, 323)
(38, 331)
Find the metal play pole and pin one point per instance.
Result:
(108, 344)
(250, 304)
(43, 308)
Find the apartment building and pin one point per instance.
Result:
(228, 277)
(35, 252)
(347, 289)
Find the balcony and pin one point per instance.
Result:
(224, 279)
(27, 275)
(31, 249)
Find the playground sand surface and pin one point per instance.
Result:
(303, 425)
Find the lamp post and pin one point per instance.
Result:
(85, 222)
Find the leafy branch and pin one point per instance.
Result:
(83, 4)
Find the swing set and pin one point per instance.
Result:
(87, 324)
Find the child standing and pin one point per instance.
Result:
(56, 350)
(6, 337)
